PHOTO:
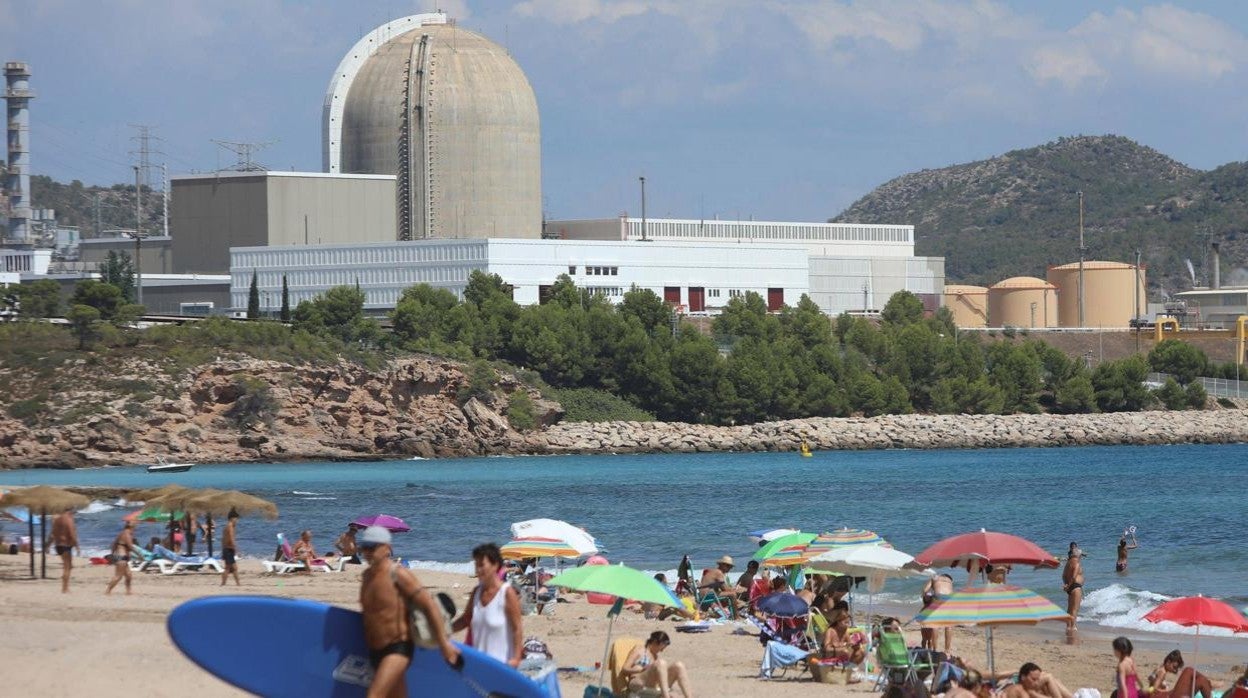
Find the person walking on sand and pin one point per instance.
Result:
(122, 545)
(65, 540)
(1123, 546)
(386, 593)
(493, 613)
(1072, 583)
(229, 549)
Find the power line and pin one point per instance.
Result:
(244, 152)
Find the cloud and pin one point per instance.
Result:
(579, 11)
(1068, 65)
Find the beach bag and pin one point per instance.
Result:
(421, 625)
(534, 648)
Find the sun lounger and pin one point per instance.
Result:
(187, 563)
(289, 564)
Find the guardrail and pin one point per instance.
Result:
(1217, 387)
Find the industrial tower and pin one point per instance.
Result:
(18, 94)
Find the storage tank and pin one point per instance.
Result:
(1022, 301)
(452, 115)
(1109, 293)
(969, 304)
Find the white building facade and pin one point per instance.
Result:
(853, 267)
(698, 276)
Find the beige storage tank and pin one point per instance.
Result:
(1109, 294)
(969, 304)
(1022, 301)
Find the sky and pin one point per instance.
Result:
(766, 109)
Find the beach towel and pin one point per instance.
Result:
(778, 655)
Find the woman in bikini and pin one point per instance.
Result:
(1123, 546)
(646, 669)
(121, 557)
(839, 642)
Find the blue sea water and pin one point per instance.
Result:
(649, 510)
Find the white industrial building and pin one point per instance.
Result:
(854, 267)
(701, 277)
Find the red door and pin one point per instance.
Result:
(775, 299)
(671, 295)
(697, 299)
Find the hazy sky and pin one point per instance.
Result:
(781, 110)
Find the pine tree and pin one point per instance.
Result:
(285, 300)
(253, 297)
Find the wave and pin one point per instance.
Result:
(312, 494)
(434, 566)
(442, 495)
(95, 507)
(123, 502)
(317, 499)
(1119, 606)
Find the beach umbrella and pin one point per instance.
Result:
(986, 547)
(783, 605)
(843, 538)
(1198, 611)
(989, 606)
(763, 536)
(391, 523)
(787, 549)
(154, 493)
(43, 499)
(521, 548)
(618, 581)
(574, 536)
(152, 514)
(212, 502)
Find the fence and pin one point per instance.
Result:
(1217, 387)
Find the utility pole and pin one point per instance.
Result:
(1137, 301)
(643, 209)
(1082, 254)
(138, 238)
(305, 229)
(95, 207)
(164, 177)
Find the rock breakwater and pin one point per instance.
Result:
(902, 431)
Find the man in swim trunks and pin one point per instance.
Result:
(65, 538)
(386, 592)
(120, 550)
(1072, 583)
(716, 579)
(229, 549)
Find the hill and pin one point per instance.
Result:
(1018, 213)
(78, 204)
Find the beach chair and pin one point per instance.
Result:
(895, 660)
(289, 564)
(779, 652)
(142, 560)
(816, 626)
(621, 647)
(186, 563)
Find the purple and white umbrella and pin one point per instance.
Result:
(391, 523)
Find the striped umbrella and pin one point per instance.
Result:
(995, 604)
(827, 542)
(538, 547)
(784, 547)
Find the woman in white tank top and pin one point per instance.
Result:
(493, 613)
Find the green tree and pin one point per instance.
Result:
(84, 322)
(285, 300)
(521, 413)
(422, 312)
(957, 395)
(39, 299)
(105, 298)
(745, 316)
(483, 287)
(118, 270)
(253, 297)
(1075, 395)
(654, 315)
(1171, 395)
(1119, 385)
(903, 308)
(1179, 359)
(128, 314)
(1196, 395)
(339, 312)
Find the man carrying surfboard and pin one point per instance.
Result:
(386, 590)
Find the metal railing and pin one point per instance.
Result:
(1216, 387)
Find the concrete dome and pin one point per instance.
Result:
(1024, 282)
(453, 116)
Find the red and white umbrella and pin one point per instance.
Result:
(1198, 611)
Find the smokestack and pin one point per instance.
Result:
(1217, 266)
(18, 94)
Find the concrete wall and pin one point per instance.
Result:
(338, 210)
(157, 252)
(208, 216)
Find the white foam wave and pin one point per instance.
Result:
(315, 499)
(434, 566)
(95, 507)
(313, 494)
(123, 502)
(1119, 606)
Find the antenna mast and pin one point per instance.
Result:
(244, 152)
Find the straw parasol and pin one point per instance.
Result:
(170, 499)
(43, 499)
(222, 502)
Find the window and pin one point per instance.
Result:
(571, 270)
(615, 271)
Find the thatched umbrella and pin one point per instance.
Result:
(168, 497)
(43, 499)
(221, 503)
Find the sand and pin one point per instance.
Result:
(86, 642)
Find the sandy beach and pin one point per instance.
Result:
(68, 645)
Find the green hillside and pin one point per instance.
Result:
(77, 204)
(1017, 213)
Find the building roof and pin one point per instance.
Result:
(957, 289)
(1093, 264)
(1023, 282)
(234, 174)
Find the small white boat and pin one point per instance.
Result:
(162, 467)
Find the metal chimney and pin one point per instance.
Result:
(18, 94)
(1217, 266)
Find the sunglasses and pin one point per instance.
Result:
(368, 546)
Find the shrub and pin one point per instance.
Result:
(1195, 395)
(255, 402)
(29, 411)
(593, 405)
(520, 412)
(1226, 402)
(481, 380)
(1171, 395)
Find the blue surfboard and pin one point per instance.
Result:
(292, 647)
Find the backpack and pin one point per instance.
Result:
(421, 625)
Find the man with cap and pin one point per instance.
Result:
(716, 580)
(1072, 581)
(386, 590)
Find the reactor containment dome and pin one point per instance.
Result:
(452, 116)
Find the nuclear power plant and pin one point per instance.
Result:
(452, 116)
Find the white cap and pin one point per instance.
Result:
(374, 535)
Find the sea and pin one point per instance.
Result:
(647, 511)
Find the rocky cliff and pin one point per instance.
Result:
(252, 410)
